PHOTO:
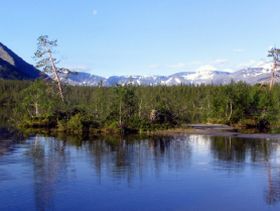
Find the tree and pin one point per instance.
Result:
(37, 100)
(275, 54)
(128, 103)
(46, 61)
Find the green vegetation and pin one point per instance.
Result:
(130, 109)
(47, 62)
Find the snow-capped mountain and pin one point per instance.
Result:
(199, 77)
(14, 67)
(81, 78)
(251, 75)
(135, 80)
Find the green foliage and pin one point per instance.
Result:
(47, 62)
(127, 105)
(9, 99)
(74, 124)
(140, 108)
(275, 54)
(61, 126)
(36, 101)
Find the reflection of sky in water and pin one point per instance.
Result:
(184, 172)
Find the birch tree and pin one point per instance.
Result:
(47, 62)
(275, 54)
(37, 100)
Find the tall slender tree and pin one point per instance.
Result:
(275, 54)
(46, 61)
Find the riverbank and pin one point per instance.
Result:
(215, 130)
(189, 129)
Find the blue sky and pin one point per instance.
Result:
(123, 37)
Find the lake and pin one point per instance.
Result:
(183, 172)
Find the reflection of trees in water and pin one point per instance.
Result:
(237, 150)
(228, 149)
(128, 159)
(48, 159)
(259, 151)
(272, 194)
(8, 139)
(175, 153)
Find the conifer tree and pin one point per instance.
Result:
(275, 54)
(47, 62)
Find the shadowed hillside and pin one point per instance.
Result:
(14, 67)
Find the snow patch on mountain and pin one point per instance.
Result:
(204, 75)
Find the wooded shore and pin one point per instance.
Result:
(139, 109)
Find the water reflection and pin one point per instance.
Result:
(130, 162)
(127, 159)
(258, 151)
(49, 162)
(238, 150)
(8, 139)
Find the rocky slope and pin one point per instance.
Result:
(14, 67)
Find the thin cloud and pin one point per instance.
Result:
(79, 68)
(206, 68)
(197, 64)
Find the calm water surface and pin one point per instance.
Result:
(192, 172)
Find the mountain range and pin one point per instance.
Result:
(14, 67)
(251, 75)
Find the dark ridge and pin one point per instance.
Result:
(14, 67)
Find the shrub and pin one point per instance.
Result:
(74, 124)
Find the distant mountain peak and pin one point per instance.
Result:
(250, 75)
(206, 76)
(14, 67)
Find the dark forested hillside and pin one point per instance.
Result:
(140, 108)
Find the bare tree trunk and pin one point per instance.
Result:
(36, 109)
(230, 113)
(272, 80)
(57, 78)
(120, 114)
(140, 109)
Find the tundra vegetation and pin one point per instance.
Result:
(126, 109)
